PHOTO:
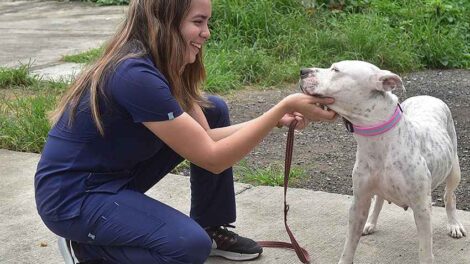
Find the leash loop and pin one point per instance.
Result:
(302, 254)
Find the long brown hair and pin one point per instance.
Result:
(151, 27)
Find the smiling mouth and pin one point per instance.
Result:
(195, 44)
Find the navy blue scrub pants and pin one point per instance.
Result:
(130, 227)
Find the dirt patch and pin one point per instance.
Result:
(326, 151)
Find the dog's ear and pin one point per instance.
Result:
(388, 81)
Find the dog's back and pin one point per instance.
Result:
(431, 120)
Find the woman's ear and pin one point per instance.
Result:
(388, 81)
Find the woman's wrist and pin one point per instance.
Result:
(284, 105)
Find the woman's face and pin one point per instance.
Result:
(195, 29)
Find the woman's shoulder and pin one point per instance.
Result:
(138, 68)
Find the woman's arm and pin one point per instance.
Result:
(216, 133)
(222, 132)
(190, 140)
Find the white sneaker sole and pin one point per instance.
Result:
(233, 255)
(66, 251)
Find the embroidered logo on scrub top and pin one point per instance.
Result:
(90, 235)
(171, 116)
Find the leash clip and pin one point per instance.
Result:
(399, 106)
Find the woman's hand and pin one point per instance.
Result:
(287, 119)
(309, 107)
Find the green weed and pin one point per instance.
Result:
(272, 175)
(23, 122)
(15, 76)
(182, 168)
(84, 57)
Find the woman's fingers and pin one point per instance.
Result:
(322, 100)
(310, 107)
(325, 115)
(317, 113)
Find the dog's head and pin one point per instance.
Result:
(352, 83)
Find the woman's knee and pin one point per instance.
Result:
(198, 248)
(191, 248)
(217, 114)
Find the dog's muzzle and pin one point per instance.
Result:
(304, 73)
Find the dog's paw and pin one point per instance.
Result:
(368, 229)
(456, 230)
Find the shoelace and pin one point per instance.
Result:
(223, 231)
(223, 237)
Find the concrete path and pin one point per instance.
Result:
(43, 31)
(318, 220)
(40, 33)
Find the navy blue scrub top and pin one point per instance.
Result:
(77, 160)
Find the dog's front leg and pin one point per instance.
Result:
(357, 219)
(422, 214)
(357, 215)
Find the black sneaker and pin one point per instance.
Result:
(229, 245)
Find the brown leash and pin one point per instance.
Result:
(302, 254)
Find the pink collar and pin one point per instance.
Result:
(378, 129)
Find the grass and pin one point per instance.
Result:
(15, 77)
(271, 175)
(88, 56)
(25, 101)
(263, 43)
(23, 122)
(182, 168)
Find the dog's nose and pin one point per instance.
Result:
(304, 72)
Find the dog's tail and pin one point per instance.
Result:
(451, 131)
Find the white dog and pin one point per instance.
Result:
(404, 150)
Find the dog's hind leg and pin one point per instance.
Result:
(422, 214)
(454, 227)
(371, 224)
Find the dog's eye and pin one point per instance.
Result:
(334, 69)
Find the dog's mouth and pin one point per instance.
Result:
(306, 91)
(309, 90)
(308, 85)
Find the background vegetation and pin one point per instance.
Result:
(264, 43)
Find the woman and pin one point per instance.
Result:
(128, 121)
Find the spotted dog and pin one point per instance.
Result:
(404, 150)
